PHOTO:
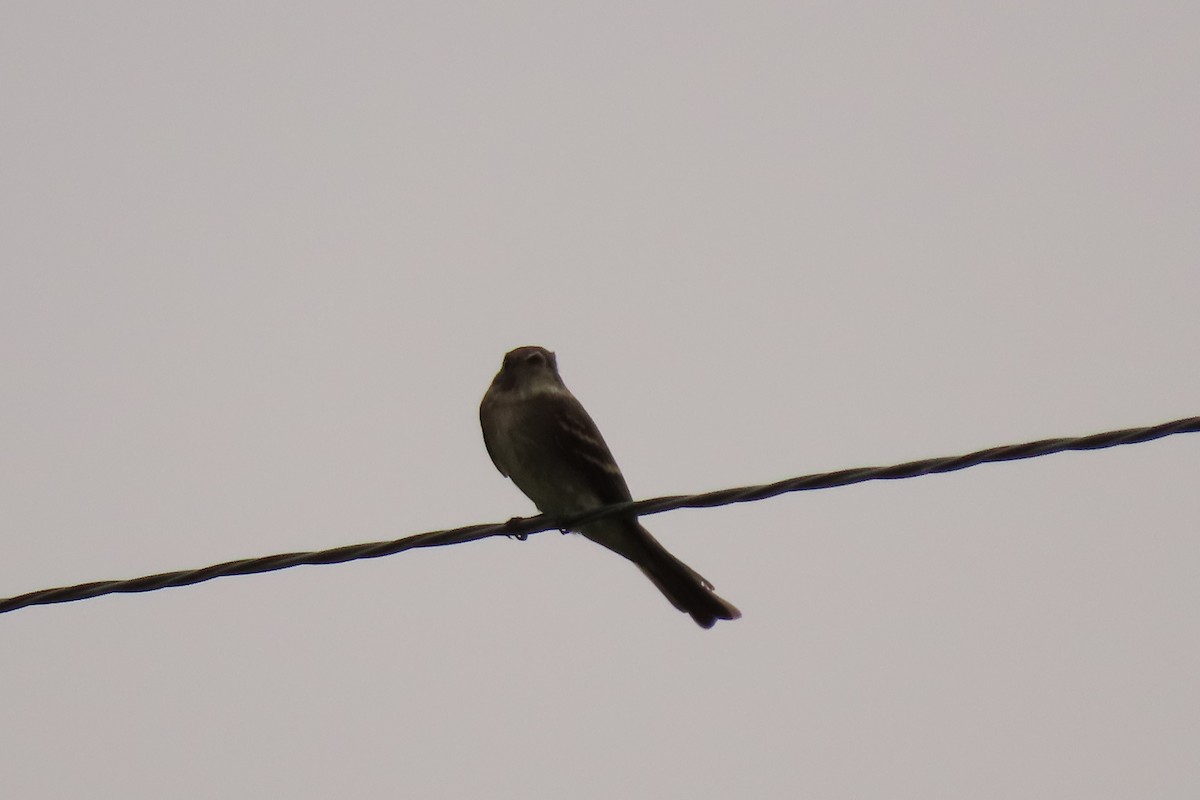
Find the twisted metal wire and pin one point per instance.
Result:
(522, 527)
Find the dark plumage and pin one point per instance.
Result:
(540, 436)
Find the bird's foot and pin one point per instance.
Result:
(520, 537)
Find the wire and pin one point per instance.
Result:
(522, 527)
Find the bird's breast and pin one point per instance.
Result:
(532, 456)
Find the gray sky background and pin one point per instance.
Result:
(260, 262)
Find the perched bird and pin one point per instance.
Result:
(539, 435)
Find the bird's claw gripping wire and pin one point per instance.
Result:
(520, 537)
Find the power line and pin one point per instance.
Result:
(522, 527)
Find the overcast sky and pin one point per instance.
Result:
(259, 262)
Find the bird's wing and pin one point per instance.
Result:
(577, 441)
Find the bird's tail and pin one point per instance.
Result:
(683, 586)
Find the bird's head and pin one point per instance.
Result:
(529, 370)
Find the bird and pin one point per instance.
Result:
(540, 437)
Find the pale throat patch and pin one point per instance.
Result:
(540, 383)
